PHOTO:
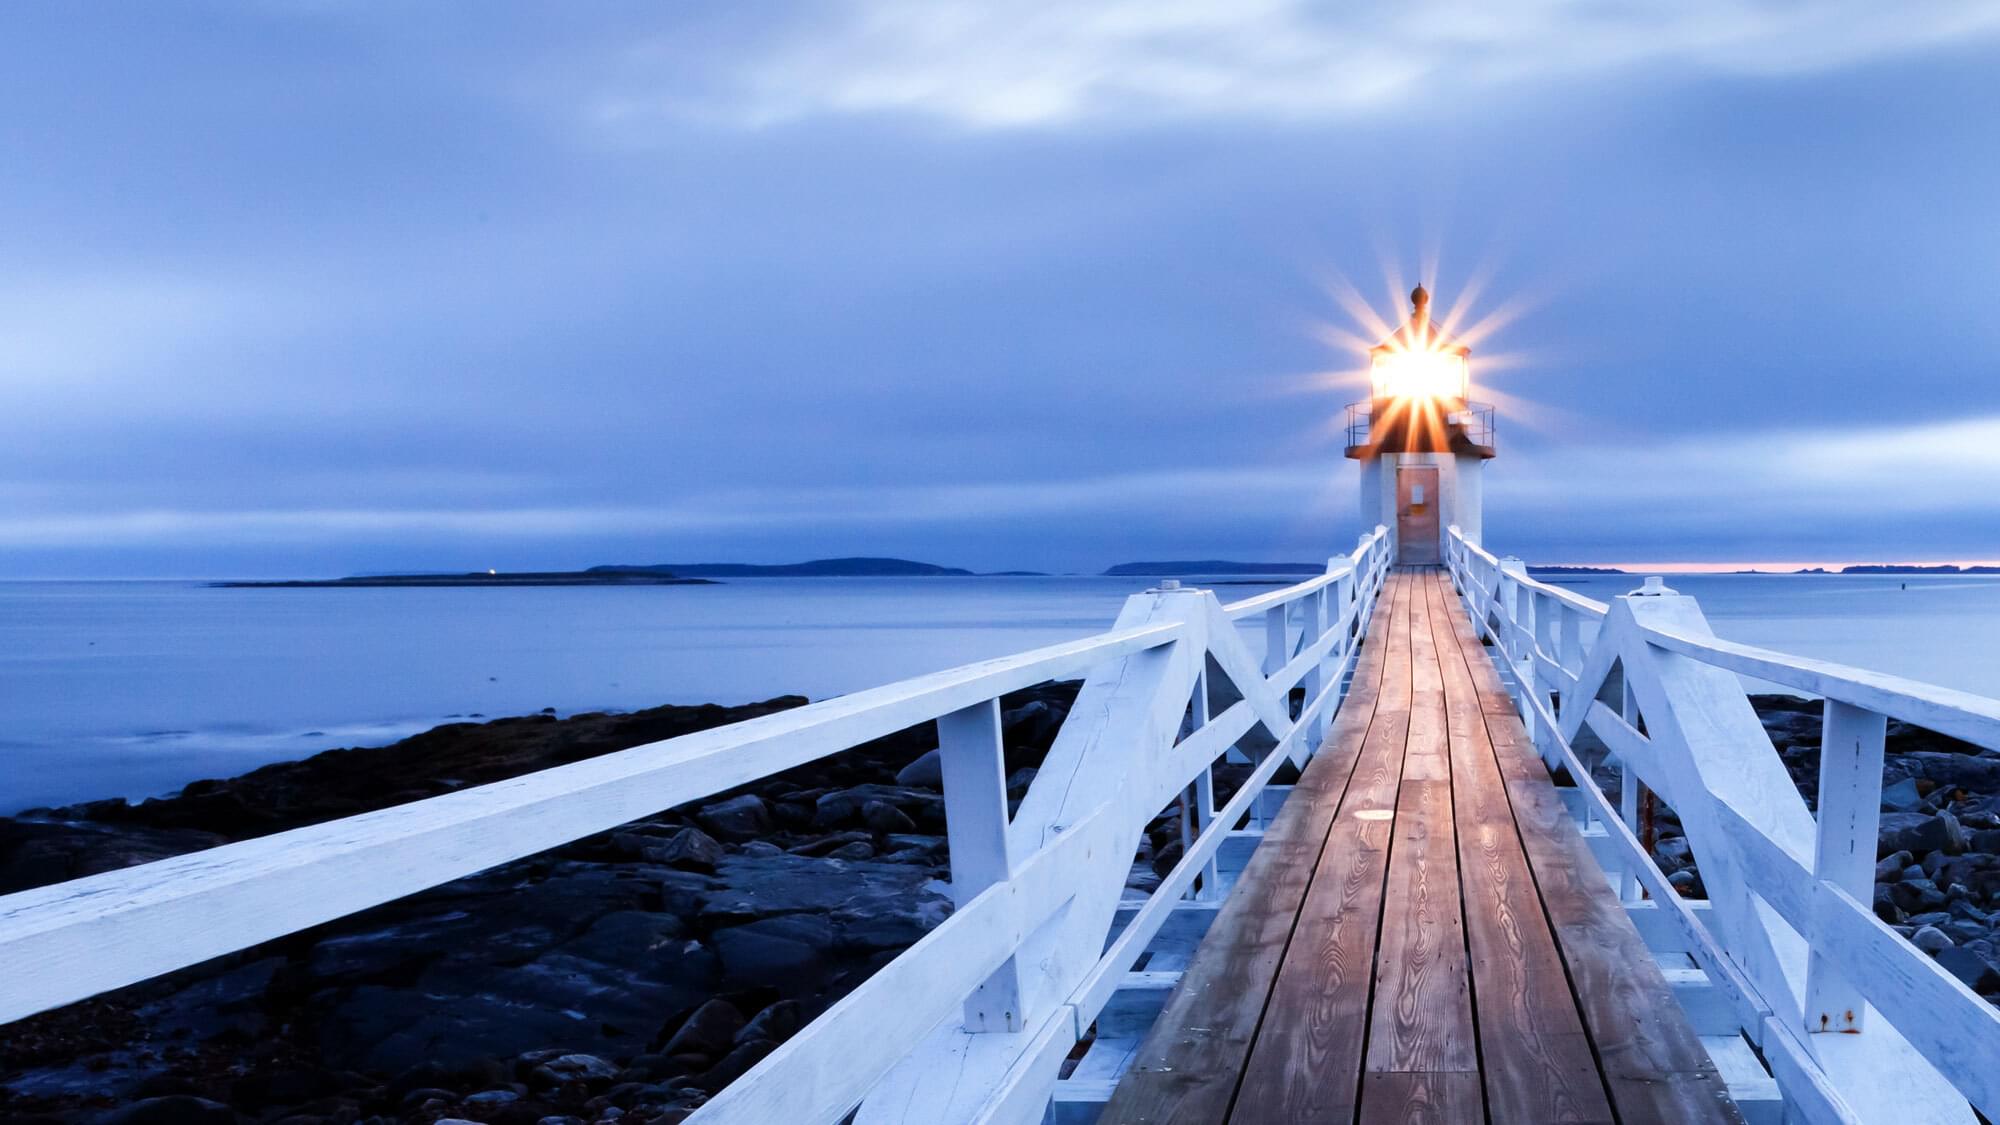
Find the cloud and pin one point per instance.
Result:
(1929, 467)
(1250, 491)
(1049, 63)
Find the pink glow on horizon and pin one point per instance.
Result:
(1770, 567)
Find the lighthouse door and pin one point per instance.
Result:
(1417, 517)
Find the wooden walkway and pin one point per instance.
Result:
(1422, 935)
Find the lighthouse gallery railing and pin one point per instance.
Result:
(970, 1023)
(1855, 1023)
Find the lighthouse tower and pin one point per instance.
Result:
(1420, 439)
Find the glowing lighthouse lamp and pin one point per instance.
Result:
(1420, 439)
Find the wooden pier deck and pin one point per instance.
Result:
(1422, 935)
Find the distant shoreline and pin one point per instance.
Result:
(524, 578)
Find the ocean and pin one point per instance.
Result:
(136, 688)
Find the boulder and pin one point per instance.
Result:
(576, 1068)
(740, 818)
(733, 1065)
(886, 818)
(175, 1109)
(710, 1030)
(1902, 796)
(776, 1023)
(1889, 869)
(1971, 968)
(1919, 833)
(786, 952)
(1931, 940)
(927, 772)
(690, 849)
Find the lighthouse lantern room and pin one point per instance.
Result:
(1420, 438)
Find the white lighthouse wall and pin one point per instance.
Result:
(1468, 505)
(1378, 507)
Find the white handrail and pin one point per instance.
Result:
(1857, 1024)
(1025, 954)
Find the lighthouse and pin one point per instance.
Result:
(1421, 440)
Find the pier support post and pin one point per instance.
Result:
(1850, 800)
(973, 757)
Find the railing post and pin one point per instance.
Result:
(974, 761)
(1309, 634)
(1628, 794)
(1569, 644)
(1850, 801)
(1210, 885)
(1274, 640)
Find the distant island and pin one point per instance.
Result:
(1210, 566)
(1576, 570)
(662, 574)
(816, 568)
(475, 578)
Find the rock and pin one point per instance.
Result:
(762, 888)
(1885, 904)
(733, 1065)
(927, 772)
(1977, 773)
(1931, 940)
(1969, 967)
(1915, 896)
(761, 848)
(1919, 833)
(576, 1068)
(1673, 852)
(647, 944)
(738, 819)
(710, 1030)
(1020, 779)
(859, 849)
(1890, 868)
(491, 1099)
(1902, 796)
(690, 849)
(776, 1023)
(175, 1109)
(230, 1002)
(826, 844)
(1683, 881)
(834, 809)
(784, 952)
(886, 818)
(417, 1097)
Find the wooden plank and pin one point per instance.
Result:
(1188, 1067)
(1307, 1061)
(1421, 1099)
(1653, 1064)
(1421, 1019)
(1537, 1060)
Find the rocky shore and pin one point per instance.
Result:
(623, 977)
(627, 976)
(1937, 879)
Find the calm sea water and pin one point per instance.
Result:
(136, 688)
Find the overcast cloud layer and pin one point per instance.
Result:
(303, 288)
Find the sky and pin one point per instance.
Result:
(309, 288)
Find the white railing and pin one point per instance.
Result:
(1855, 1023)
(969, 1024)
